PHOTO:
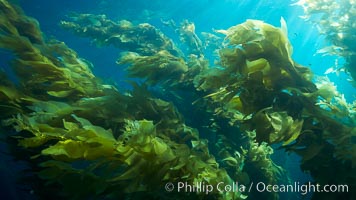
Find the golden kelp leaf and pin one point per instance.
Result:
(294, 131)
(79, 150)
(97, 130)
(21, 35)
(125, 24)
(146, 127)
(47, 129)
(140, 137)
(160, 67)
(246, 32)
(167, 156)
(235, 103)
(145, 146)
(53, 107)
(139, 141)
(127, 153)
(33, 141)
(159, 146)
(188, 36)
(254, 50)
(70, 126)
(60, 94)
(101, 132)
(258, 65)
(10, 93)
(281, 121)
(7, 27)
(274, 127)
(69, 148)
(284, 27)
(211, 79)
(195, 143)
(143, 38)
(45, 66)
(82, 121)
(17, 23)
(278, 121)
(285, 129)
(233, 59)
(231, 161)
(10, 99)
(284, 39)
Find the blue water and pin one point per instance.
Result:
(207, 15)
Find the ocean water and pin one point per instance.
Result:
(207, 16)
(226, 153)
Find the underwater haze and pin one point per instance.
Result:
(205, 99)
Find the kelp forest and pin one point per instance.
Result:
(186, 118)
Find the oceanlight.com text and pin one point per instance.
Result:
(221, 187)
(301, 188)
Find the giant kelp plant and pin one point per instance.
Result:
(335, 20)
(187, 121)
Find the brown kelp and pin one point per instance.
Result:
(122, 34)
(50, 76)
(58, 127)
(335, 20)
(187, 122)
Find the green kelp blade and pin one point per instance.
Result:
(60, 94)
(97, 130)
(294, 131)
(33, 141)
(72, 149)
